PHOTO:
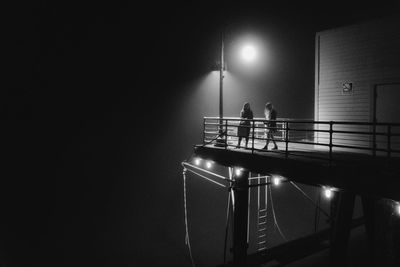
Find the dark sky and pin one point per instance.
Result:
(100, 108)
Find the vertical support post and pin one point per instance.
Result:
(248, 208)
(220, 142)
(374, 122)
(221, 82)
(341, 226)
(389, 135)
(226, 133)
(286, 137)
(374, 138)
(240, 212)
(330, 140)
(252, 143)
(368, 205)
(383, 230)
(204, 131)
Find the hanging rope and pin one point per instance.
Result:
(273, 214)
(309, 198)
(215, 138)
(187, 240)
(317, 212)
(227, 223)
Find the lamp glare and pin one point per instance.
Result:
(238, 171)
(208, 164)
(248, 53)
(276, 181)
(328, 193)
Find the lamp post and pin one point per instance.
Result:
(248, 56)
(221, 142)
(221, 84)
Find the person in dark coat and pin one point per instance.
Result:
(244, 126)
(270, 115)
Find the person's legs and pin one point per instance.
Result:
(273, 140)
(247, 141)
(268, 137)
(239, 140)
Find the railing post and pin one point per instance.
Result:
(204, 131)
(330, 140)
(226, 133)
(389, 134)
(252, 141)
(374, 139)
(286, 137)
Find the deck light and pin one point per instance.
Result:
(197, 161)
(208, 164)
(328, 192)
(398, 208)
(276, 180)
(238, 171)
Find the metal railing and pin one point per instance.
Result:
(324, 137)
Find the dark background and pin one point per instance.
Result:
(102, 103)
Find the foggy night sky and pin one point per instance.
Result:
(104, 101)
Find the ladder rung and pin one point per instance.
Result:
(260, 223)
(262, 216)
(262, 236)
(262, 210)
(260, 249)
(262, 242)
(262, 229)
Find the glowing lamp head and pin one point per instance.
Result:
(208, 164)
(397, 207)
(197, 161)
(276, 180)
(248, 53)
(328, 193)
(238, 171)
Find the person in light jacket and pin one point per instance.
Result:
(270, 115)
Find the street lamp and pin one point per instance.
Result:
(248, 55)
(221, 142)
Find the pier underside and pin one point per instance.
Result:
(355, 172)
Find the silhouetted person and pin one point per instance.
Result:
(270, 116)
(244, 125)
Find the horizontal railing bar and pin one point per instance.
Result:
(307, 121)
(368, 136)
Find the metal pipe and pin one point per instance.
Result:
(221, 81)
(185, 164)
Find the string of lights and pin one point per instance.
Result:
(328, 191)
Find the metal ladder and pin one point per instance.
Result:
(262, 209)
